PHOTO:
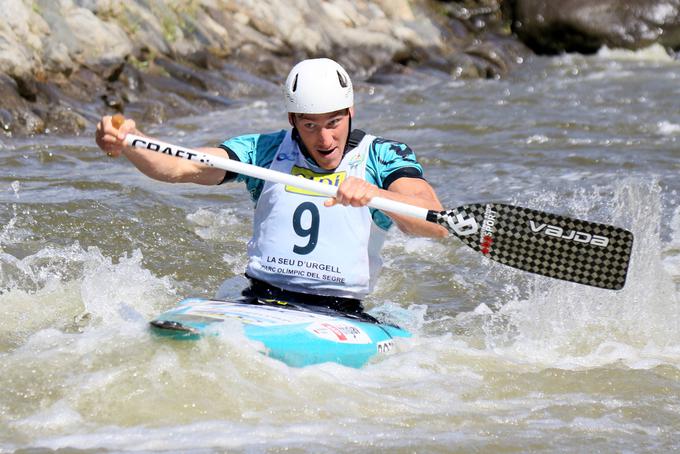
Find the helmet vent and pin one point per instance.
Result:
(342, 79)
(295, 82)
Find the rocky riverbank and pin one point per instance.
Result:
(65, 63)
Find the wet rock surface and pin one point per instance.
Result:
(64, 64)
(551, 27)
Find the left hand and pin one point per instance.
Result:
(111, 132)
(355, 192)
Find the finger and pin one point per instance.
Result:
(355, 193)
(126, 127)
(345, 192)
(363, 194)
(110, 139)
(341, 198)
(104, 127)
(105, 123)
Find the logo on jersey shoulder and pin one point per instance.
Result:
(356, 160)
(287, 156)
(332, 179)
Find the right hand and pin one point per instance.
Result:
(355, 192)
(112, 139)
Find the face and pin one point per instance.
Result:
(324, 135)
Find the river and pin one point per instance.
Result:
(501, 360)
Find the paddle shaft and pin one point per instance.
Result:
(250, 170)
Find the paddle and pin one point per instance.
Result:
(543, 243)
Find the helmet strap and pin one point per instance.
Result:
(349, 133)
(301, 144)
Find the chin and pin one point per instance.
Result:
(329, 165)
(329, 161)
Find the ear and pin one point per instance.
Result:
(291, 119)
(351, 112)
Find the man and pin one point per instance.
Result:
(306, 248)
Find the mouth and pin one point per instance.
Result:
(326, 152)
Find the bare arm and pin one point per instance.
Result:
(155, 165)
(414, 191)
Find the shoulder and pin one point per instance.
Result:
(388, 160)
(392, 150)
(257, 139)
(255, 148)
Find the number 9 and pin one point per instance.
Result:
(312, 232)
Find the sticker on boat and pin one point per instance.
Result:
(337, 331)
(385, 347)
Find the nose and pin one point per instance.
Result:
(326, 139)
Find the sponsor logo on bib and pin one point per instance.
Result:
(332, 179)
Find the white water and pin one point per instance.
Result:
(501, 361)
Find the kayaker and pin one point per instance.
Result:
(304, 248)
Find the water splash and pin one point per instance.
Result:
(71, 289)
(567, 325)
(15, 187)
(215, 226)
(653, 53)
(666, 128)
(671, 251)
(9, 232)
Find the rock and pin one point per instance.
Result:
(13, 105)
(143, 27)
(114, 100)
(6, 119)
(186, 90)
(466, 66)
(28, 123)
(336, 14)
(27, 87)
(398, 10)
(56, 58)
(21, 32)
(585, 26)
(211, 35)
(63, 120)
(96, 39)
(496, 56)
(204, 59)
(85, 85)
(182, 72)
(147, 111)
(70, 61)
(474, 42)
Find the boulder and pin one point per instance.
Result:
(16, 115)
(65, 63)
(584, 26)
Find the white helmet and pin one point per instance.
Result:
(317, 86)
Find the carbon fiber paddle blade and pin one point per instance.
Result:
(543, 243)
